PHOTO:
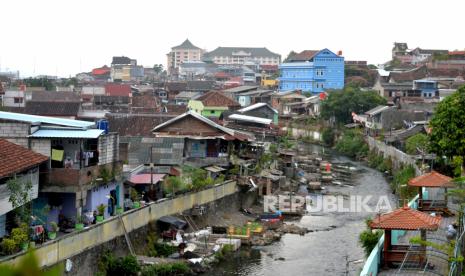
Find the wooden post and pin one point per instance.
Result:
(387, 245)
(420, 197)
(423, 247)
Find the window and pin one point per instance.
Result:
(18, 100)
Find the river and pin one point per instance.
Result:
(321, 252)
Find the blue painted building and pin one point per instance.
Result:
(428, 88)
(312, 71)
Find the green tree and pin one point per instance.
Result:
(448, 127)
(341, 103)
(20, 197)
(417, 143)
(289, 56)
(158, 68)
(352, 144)
(29, 266)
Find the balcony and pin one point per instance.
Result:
(72, 180)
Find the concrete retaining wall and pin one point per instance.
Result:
(398, 157)
(72, 244)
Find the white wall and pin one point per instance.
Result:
(5, 204)
(93, 90)
(9, 101)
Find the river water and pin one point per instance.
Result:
(321, 252)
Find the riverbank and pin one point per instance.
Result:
(323, 250)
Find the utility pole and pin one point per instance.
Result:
(151, 169)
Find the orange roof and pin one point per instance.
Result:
(432, 179)
(406, 218)
(15, 158)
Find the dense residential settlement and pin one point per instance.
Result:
(172, 164)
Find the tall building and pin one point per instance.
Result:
(186, 52)
(242, 56)
(125, 69)
(312, 71)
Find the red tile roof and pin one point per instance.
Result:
(458, 53)
(304, 55)
(406, 218)
(145, 178)
(101, 71)
(432, 179)
(112, 89)
(15, 158)
(216, 98)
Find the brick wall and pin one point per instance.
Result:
(15, 132)
(42, 146)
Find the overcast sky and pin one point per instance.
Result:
(66, 37)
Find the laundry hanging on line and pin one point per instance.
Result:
(57, 155)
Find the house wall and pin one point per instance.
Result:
(93, 90)
(15, 132)
(42, 146)
(196, 148)
(9, 98)
(108, 148)
(167, 150)
(32, 176)
(325, 72)
(333, 72)
(97, 196)
(244, 100)
(212, 112)
(196, 106)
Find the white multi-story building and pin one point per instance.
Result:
(241, 56)
(186, 52)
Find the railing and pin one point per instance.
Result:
(373, 261)
(77, 242)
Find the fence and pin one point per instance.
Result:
(72, 244)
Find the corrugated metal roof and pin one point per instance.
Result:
(252, 119)
(376, 110)
(255, 106)
(53, 133)
(44, 120)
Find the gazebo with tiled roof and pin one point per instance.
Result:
(432, 180)
(408, 219)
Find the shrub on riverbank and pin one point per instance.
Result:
(352, 144)
(328, 136)
(369, 238)
(400, 180)
(110, 265)
(168, 269)
(377, 161)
